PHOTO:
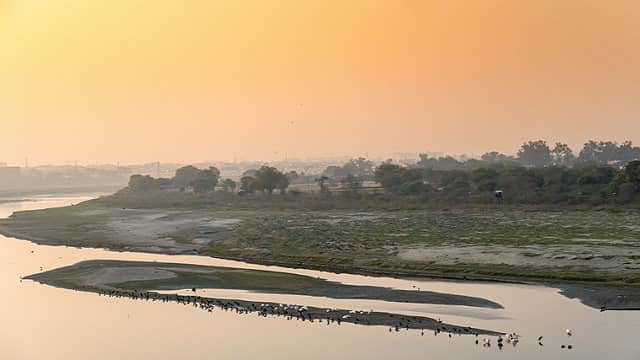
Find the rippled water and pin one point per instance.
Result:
(42, 322)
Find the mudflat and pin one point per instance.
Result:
(144, 280)
(597, 251)
(147, 276)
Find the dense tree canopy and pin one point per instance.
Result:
(398, 179)
(535, 154)
(595, 184)
(229, 185)
(205, 181)
(322, 183)
(360, 167)
(143, 183)
(185, 176)
(268, 178)
(188, 176)
(496, 157)
(605, 152)
(247, 185)
(562, 155)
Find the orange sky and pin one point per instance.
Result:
(190, 80)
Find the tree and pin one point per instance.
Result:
(496, 157)
(392, 176)
(229, 185)
(558, 180)
(250, 172)
(248, 184)
(441, 163)
(599, 152)
(351, 183)
(632, 174)
(562, 155)
(448, 163)
(629, 175)
(596, 175)
(413, 187)
(269, 178)
(535, 154)
(608, 152)
(141, 183)
(205, 181)
(359, 167)
(590, 152)
(321, 181)
(485, 179)
(334, 172)
(282, 183)
(459, 186)
(426, 162)
(628, 152)
(185, 176)
(522, 184)
(625, 193)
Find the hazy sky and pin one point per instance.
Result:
(188, 80)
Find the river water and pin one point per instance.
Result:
(43, 322)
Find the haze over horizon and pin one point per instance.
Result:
(189, 81)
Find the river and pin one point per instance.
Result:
(43, 322)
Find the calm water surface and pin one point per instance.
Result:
(42, 322)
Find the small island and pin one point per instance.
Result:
(146, 281)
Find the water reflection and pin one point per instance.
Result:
(42, 322)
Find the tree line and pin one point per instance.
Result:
(602, 172)
(266, 179)
(539, 153)
(593, 184)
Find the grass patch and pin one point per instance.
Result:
(369, 241)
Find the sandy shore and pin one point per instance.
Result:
(115, 278)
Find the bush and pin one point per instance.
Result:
(626, 193)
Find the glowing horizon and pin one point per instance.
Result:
(186, 81)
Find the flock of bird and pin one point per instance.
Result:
(330, 316)
(514, 339)
(292, 312)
